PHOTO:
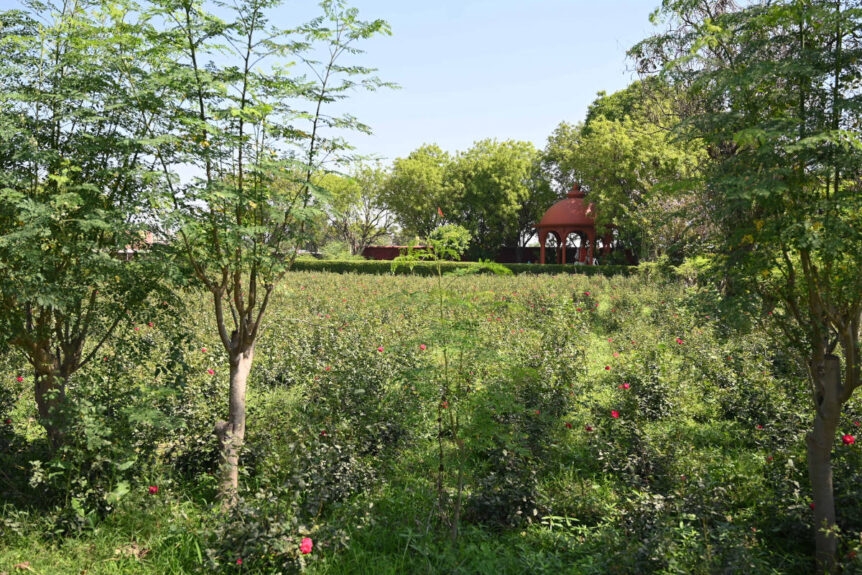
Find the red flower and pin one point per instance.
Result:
(327, 368)
(856, 423)
(610, 339)
(848, 439)
(239, 561)
(380, 349)
(579, 309)
(211, 371)
(137, 328)
(153, 489)
(586, 293)
(607, 368)
(203, 349)
(624, 385)
(150, 324)
(444, 405)
(769, 458)
(616, 354)
(759, 426)
(811, 505)
(568, 425)
(588, 427)
(679, 341)
(306, 545)
(20, 379)
(537, 412)
(615, 414)
(8, 421)
(423, 346)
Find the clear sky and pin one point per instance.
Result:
(474, 69)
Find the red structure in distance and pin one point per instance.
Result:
(572, 215)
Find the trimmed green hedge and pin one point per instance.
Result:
(380, 267)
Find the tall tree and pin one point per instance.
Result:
(418, 190)
(75, 187)
(779, 107)
(491, 183)
(255, 136)
(357, 213)
(641, 176)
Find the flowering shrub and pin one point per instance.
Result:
(343, 440)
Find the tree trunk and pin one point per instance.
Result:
(231, 433)
(827, 383)
(50, 394)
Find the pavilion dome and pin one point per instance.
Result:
(571, 211)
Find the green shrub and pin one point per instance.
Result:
(381, 267)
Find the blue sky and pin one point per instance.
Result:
(474, 69)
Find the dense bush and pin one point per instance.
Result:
(428, 269)
(590, 424)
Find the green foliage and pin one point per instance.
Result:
(452, 240)
(75, 189)
(641, 176)
(427, 268)
(492, 186)
(342, 444)
(777, 107)
(357, 213)
(418, 187)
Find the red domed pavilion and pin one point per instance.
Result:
(572, 215)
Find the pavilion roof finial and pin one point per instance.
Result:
(576, 191)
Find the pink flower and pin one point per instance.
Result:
(137, 328)
(306, 545)
(423, 346)
(150, 324)
(848, 439)
(153, 489)
(856, 423)
(615, 414)
(610, 340)
(203, 349)
(211, 371)
(624, 385)
(327, 368)
(239, 561)
(616, 354)
(759, 426)
(19, 379)
(380, 349)
(537, 412)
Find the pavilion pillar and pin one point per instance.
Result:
(563, 257)
(592, 237)
(542, 240)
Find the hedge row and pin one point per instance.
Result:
(429, 268)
